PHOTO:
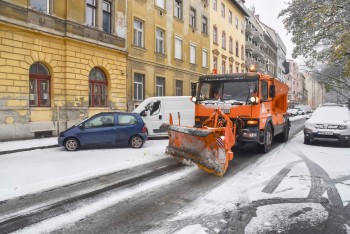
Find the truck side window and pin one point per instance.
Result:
(264, 90)
(155, 107)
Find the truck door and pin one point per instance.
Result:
(266, 105)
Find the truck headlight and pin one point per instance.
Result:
(254, 99)
(250, 134)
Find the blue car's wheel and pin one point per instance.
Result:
(71, 144)
(136, 142)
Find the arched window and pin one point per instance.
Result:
(39, 85)
(97, 88)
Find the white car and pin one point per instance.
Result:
(328, 123)
(292, 112)
(301, 112)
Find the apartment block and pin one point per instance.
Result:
(227, 39)
(60, 62)
(168, 47)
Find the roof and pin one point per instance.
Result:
(240, 7)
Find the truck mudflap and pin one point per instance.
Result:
(209, 147)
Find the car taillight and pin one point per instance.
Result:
(144, 129)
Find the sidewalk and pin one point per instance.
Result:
(25, 145)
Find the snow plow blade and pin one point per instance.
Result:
(203, 147)
(208, 147)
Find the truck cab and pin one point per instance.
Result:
(256, 103)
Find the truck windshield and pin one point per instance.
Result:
(240, 91)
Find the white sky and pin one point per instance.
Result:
(268, 11)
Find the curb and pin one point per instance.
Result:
(27, 149)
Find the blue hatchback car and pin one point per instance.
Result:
(106, 128)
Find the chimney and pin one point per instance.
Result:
(257, 17)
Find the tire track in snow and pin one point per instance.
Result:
(277, 179)
(20, 221)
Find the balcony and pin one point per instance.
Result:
(249, 61)
(259, 53)
(249, 46)
(249, 30)
(258, 37)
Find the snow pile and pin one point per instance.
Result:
(281, 217)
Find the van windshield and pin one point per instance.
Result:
(240, 91)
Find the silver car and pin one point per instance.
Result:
(330, 122)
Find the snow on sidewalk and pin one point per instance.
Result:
(43, 169)
(27, 144)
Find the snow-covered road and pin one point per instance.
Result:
(296, 188)
(293, 188)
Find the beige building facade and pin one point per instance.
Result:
(316, 91)
(227, 36)
(168, 48)
(60, 62)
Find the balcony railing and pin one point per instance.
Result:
(249, 46)
(249, 30)
(258, 37)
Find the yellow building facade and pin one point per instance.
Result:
(60, 62)
(227, 39)
(168, 47)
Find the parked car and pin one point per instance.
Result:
(292, 112)
(106, 128)
(330, 123)
(301, 112)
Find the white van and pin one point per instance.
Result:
(155, 111)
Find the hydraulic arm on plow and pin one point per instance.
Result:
(209, 147)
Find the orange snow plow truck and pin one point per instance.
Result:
(230, 109)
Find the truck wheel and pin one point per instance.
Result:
(71, 144)
(283, 137)
(136, 142)
(267, 139)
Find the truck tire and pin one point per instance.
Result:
(267, 139)
(283, 137)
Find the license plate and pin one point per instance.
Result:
(325, 133)
(226, 111)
